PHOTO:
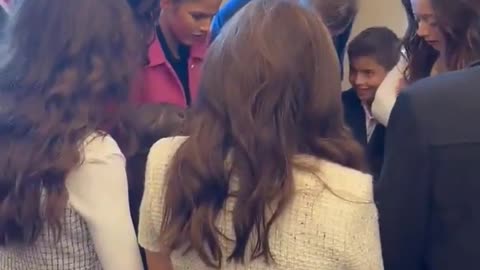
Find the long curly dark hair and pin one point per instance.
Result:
(65, 74)
(419, 54)
(460, 23)
(259, 107)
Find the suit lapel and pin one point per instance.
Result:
(355, 116)
(377, 138)
(360, 125)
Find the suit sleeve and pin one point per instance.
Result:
(403, 191)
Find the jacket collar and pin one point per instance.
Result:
(157, 57)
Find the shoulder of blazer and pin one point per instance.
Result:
(351, 103)
(349, 96)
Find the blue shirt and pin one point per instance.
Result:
(225, 13)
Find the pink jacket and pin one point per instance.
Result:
(160, 83)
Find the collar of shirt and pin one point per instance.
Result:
(370, 122)
(157, 57)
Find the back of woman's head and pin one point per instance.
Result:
(419, 54)
(260, 104)
(460, 23)
(64, 74)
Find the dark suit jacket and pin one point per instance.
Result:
(428, 195)
(355, 119)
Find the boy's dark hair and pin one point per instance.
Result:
(380, 43)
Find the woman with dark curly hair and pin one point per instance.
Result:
(65, 76)
(441, 36)
(422, 44)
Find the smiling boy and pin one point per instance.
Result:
(372, 54)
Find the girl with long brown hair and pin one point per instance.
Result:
(460, 25)
(65, 75)
(269, 177)
(441, 36)
(422, 44)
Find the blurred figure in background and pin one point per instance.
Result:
(428, 191)
(63, 184)
(338, 15)
(372, 54)
(269, 177)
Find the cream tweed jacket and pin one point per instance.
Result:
(331, 223)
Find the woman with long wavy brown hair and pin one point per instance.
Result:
(65, 75)
(442, 36)
(420, 59)
(269, 176)
(460, 24)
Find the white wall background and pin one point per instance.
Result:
(387, 13)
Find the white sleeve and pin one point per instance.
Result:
(98, 191)
(387, 93)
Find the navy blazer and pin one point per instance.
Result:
(355, 119)
(428, 195)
